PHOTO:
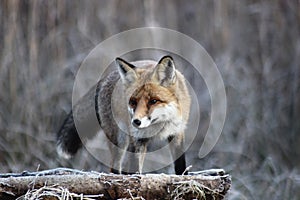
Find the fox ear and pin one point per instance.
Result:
(164, 71)
(126, 71)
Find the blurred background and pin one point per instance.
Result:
(255, 44)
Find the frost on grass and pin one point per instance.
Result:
(55, 192)
(192, 187)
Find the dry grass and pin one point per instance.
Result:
(189, 187)
(57, 193)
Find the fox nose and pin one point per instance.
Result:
(136, 122)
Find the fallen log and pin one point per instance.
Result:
(62, 183)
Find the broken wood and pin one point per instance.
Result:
(57, 183)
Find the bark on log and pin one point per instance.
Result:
(59, 183)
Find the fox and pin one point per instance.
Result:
(139, 102)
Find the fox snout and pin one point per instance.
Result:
(136, 122)
(139, 109)
(141, 122)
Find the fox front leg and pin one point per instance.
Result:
(142, 155)
(117, 160)
(176, 145)
(141, 149)
(117, 155)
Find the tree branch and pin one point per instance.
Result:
(53, 184)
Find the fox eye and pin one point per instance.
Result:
(133, 102)
(152, 101)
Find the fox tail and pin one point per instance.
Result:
(68, 140)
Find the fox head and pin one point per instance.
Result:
(152, 91)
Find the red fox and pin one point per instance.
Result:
(152, 102)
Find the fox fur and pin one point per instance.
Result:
(139, 102)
